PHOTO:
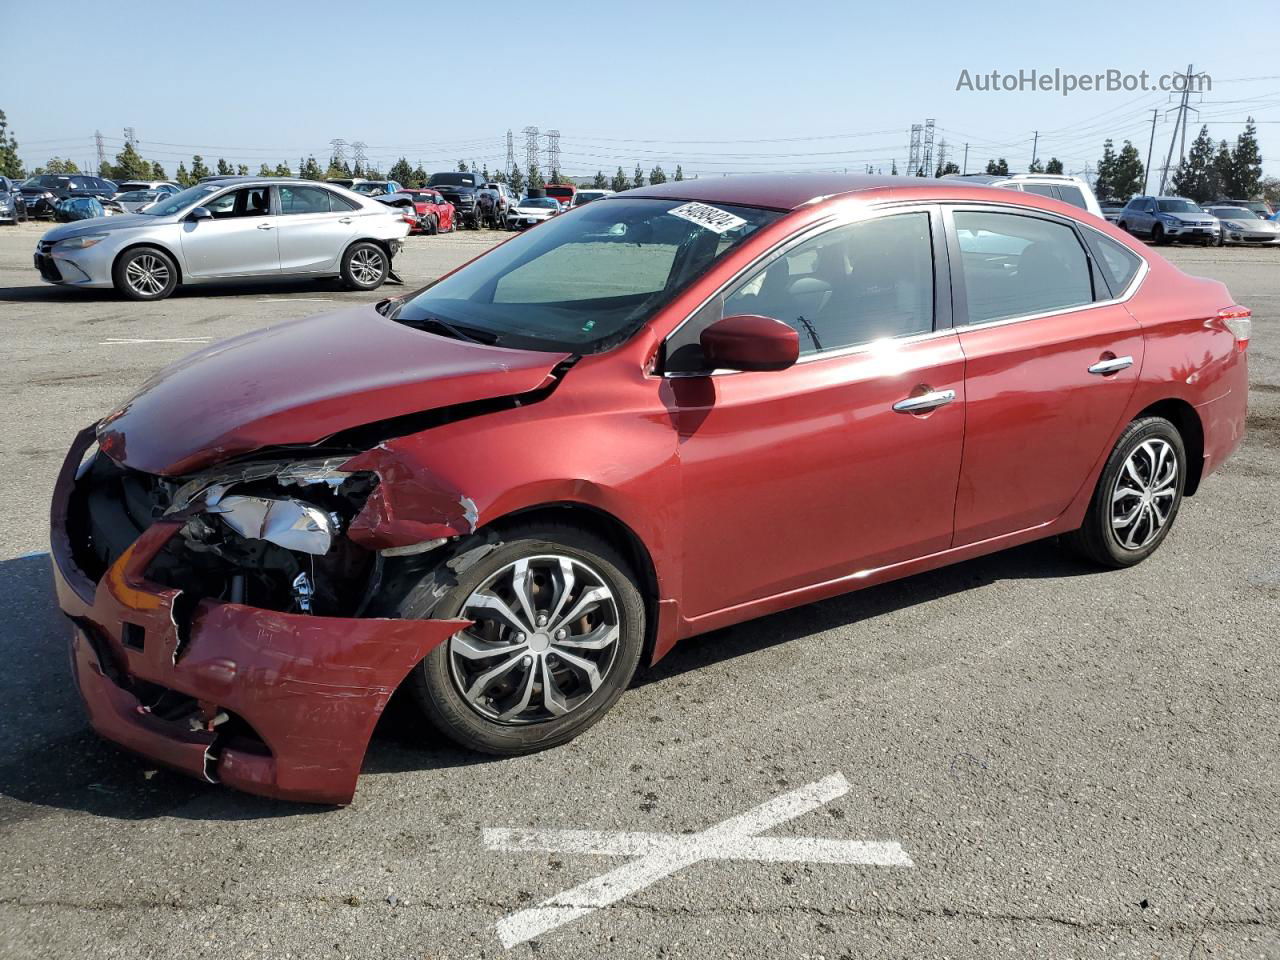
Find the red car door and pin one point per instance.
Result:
(1051, 363)
(444, 213)
(815, 473)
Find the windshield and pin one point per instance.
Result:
(586, 281)
(544, 203)
(370, 188)
(180, 201)
(133, 195)
(1177, 206)
(1234, 213)
(452, 179)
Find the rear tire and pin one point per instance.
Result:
(145, 273)
(1142, 484)
(1123, 226)
(448, 685)
(365, 266)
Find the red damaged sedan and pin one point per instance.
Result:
(435, 213)
(665, 412)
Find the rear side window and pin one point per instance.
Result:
(1119, 263)
(857, 283)
(1016, 266)
(304, 200)
(1040, 189)
(1073, 196)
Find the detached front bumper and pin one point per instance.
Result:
(273, 703)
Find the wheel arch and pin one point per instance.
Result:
(385, 246)
(610, 528)
(156, 245)
(1184, 418)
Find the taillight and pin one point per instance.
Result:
(1239, 320)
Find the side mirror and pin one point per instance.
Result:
(200, 213)
(749, 342)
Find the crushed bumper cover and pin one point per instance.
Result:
(311, 688)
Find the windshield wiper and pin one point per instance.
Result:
(437, 325)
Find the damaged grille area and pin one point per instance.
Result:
(264, 534)
(111, 507)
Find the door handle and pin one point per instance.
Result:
(1113, 365)
(925, 401)
(344, 220)
(264, 226)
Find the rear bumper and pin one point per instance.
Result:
(307, 689)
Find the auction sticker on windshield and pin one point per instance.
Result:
(705, 215)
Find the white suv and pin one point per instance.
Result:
(1057, 186)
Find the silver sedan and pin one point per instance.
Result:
(1241, 225)
(247, 227)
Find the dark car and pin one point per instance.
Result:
(1111, 211)
(13, 206)
(465, 191)
(42, 193)
(659, 415)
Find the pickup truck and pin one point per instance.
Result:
(463, 190)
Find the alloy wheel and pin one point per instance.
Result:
(367, 266)
(544, 637)
(147, 275)
(1144, 494)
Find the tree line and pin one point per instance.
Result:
(1208, 172)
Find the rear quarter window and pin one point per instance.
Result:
(1119, 263)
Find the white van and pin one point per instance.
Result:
(1058, 186)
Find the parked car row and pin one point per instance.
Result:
(1177, 219)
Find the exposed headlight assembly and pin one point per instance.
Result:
(285, 521)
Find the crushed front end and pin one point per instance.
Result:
(219, 622)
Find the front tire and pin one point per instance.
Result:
(145, 273)
(1137, 496)
(433, 226)
(558, 628)
(1157, 235)
(365, 266)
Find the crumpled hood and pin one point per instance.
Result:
(301, 381)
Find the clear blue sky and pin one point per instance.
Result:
(716, 86)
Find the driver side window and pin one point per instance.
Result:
(248, 202)
(857, 283)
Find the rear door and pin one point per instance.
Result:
(815, 473)
(315, 227)
(1052, 359)
(240, 240)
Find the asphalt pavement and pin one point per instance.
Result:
(1017, 756)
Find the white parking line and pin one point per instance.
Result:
(112, 341)
(660, 855)
(295, 299)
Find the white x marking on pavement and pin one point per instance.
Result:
(662, 854)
